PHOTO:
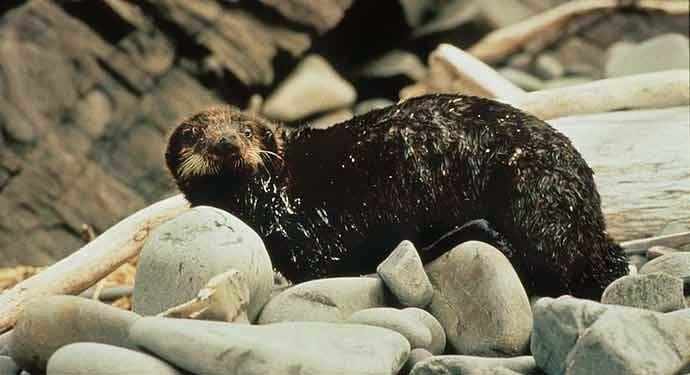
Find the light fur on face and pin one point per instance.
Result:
(195, 164)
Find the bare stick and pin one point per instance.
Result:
(454, 70)
(639, 247)
(92, 262)
(650, 90)
(501, 43)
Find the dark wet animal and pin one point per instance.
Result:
(436, 170)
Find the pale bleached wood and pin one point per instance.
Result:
(641, 160)
(665, 89)
(501, 43)
(92, 262)
(640, 247)
(454, 70)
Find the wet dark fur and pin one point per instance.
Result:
(342, 198)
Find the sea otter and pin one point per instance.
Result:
(436, 170)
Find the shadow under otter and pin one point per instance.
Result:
(437, 170)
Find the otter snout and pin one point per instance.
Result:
(226, 144)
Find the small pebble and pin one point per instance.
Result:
(438, 335)
(655, 291)
(546, 66)
(403, 273)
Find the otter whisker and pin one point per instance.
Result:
(271, 153)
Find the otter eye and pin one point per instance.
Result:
(247, 132)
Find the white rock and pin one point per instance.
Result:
(655, 291)
(664, 52)
(403, 273)
(480, 301)
(464, 364)
(215, 348)
(438, 335)
(313, 87)
(325, 300)
(183, 254)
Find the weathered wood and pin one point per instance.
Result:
(500, 43)
(94, 261)
(641, 164)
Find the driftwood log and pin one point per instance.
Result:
(94, 261)
(499, 44)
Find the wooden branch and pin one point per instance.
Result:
(650, 90)
(92, 262)
(501, 43)
(640, 247)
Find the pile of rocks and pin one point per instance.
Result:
(464, 313)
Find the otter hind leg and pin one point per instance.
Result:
(473, 230)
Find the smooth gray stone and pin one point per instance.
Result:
(49, 323)
(8, 366)
(548, 67)
(416, 356)
(325, 300)
(463, 364)
(658, 251)
(656, 291)
(631, 343)
(480, 301)
(302, 92)
(403, 273)
(675, 264)
(522, 79)
(438, 335)
(414, 330)
(393, 63)
(86, 358)
(577, 336)
(183, 254)
(626, 58)
(217, 348)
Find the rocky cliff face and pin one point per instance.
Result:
(89, 89)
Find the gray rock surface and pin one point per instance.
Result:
(416, 356)
(626, 58)
(183, 254)
(676, 264)
(325, 300)
(403, 273)
(655, 291)
(547, 66)
(393, 63)
(657, 251)
(8, 366)
(302, 94)
(438, 335)
(414, 330)
(658, 344)
(577, 336)
(463, 364)
(215, 348)
(91, 358)
(480, 301)
(48, 323)
(330, 119)
(87, 105)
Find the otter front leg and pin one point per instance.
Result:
(474, 230)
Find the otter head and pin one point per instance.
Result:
(222, 141)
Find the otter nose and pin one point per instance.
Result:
(226, 144)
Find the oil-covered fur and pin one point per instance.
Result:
(336, 201)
